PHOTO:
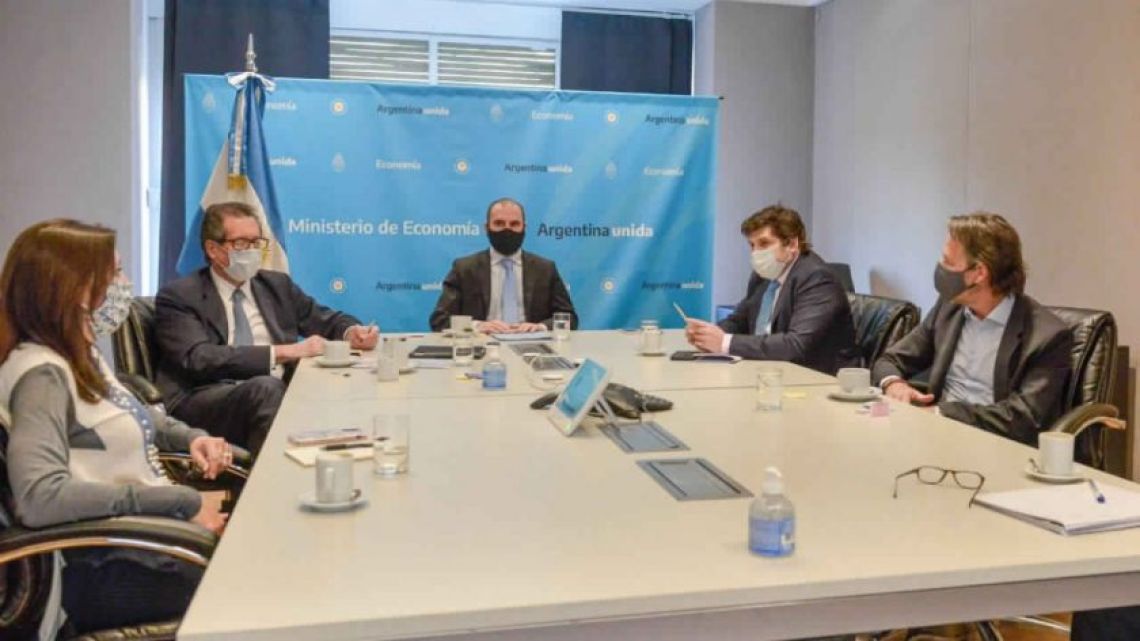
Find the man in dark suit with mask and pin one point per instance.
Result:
(504, 288)
(795, 310)
(998, 360)
(227, 335)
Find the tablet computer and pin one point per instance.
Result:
(579, 395)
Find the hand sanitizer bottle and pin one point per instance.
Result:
(494, 369)
(772, 519)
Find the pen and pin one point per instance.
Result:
(335, 447)
(1096, 491)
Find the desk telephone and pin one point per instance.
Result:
(625, 401)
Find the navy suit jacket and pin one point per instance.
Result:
(191, 330)
(811, 323)
(467, 291)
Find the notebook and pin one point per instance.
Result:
(1069, 509)
(307, 456)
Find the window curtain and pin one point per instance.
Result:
(291, 39)
(607, 52)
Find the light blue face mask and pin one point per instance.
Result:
(244, 264)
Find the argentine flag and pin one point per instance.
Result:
(241, 174)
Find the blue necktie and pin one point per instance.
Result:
(766, 303)
(510, 311)
(243, 333)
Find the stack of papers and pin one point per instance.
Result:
(1069, 509)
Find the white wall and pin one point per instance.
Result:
(67, 142)
(1029, 108)
(761, 62)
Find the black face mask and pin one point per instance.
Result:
(505, 241)
(950, 284)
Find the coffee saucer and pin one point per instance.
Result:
(309, 502)
(344, 362)
(1031, 472)
(855, 397)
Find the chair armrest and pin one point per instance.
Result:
(193, 473)
(179, 539)
(143, 389)
(164, 631)
(1077, 419)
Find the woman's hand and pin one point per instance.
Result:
(212, 455)
(210, 517)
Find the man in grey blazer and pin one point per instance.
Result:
(997, 359)
(227, 335)
(795, 309)
(504, 288)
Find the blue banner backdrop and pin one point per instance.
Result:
(381, 186)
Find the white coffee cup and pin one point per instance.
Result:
(336, 351)
(1055, 453)
(459, 323)
(854, 380)
(334, 477)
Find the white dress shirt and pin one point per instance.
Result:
(252, 313)
(726, 343)
(494, 312)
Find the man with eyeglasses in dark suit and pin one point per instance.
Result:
(227, 335)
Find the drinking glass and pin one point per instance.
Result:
(391, 444)
(463, 351)
(769, 389)
(561, 326)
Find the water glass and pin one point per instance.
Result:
(561, 326)
(769, 389)
(463, 351)
(387, 361)
(391, 444)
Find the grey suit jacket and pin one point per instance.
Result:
(1030, 373)
(191, 330)
(467, 291)
(811, 324)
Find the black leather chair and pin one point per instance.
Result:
(26, 560)
(842, 273)
(879, 323)
(1091, 382)
(135, 353)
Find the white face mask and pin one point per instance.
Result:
(116, 305)
(765, 263)
(244, 264)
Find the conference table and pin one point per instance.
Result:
(506, 529)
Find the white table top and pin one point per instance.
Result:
(503, 523)
(613, 348)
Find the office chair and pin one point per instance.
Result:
(879, 323)
(26, 560)
(135, 353)
(842, 272)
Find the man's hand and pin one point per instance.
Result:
(211, 454)
(530, 327)
(900, 390)
(361, 337)
(311, 346)
(210, 517)
(494, 327)
(704, 336)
